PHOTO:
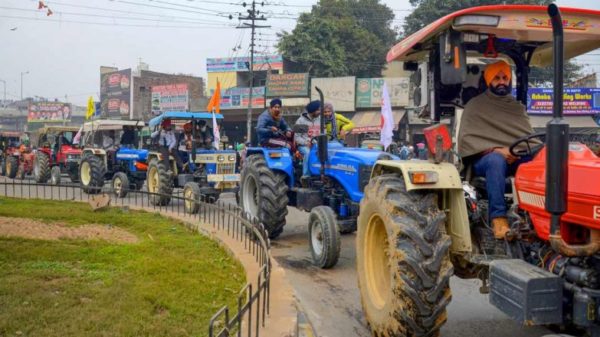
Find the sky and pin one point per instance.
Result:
(59, 56)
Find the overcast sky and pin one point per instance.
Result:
(63, 52)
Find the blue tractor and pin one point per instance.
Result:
(270, 181)
(123, 162)
(206, 170)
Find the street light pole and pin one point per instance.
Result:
(23, 73)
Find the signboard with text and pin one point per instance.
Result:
(234, 64)
(49, 112)
(576, 101)
(170, 97)
(338, 91)
(237, 98)
(287, 85)
(369, 91)
(115, 94)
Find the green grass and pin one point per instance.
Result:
(168, 284)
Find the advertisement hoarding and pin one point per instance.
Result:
(49, 112)
(287, 85)
(234, 64)
(576, 101)
(115, 94)
(368, 91)
(170, 97)
(338, 91)
(237, 98)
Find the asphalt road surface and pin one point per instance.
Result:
(330, 298)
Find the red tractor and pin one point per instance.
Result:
(9, 143)
(421, 222)
(56, 155)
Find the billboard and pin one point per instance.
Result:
(115, 94)
(234, 64)
(237, 98)
(576, 101)
(369, 91)
(49, 112)
(170, 97)
(338, 91)
(287, 85)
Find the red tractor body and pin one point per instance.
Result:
(583, 202)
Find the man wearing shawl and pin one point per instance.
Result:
(490, 123)
(336, 125)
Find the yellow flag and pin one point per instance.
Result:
(90, 108)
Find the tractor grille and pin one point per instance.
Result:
(228, 168)
(364, 175)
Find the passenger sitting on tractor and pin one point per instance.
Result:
(270, 123)
(490, 123)
(186, 140)
(337, 127)
(310, 117)
(108, 140)
(205, 135)
(128, 136)
(167, 143)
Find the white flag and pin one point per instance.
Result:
(387, 118)
(77, 137)
(216, 131)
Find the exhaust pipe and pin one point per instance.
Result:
(557, 153)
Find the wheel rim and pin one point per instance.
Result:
(117, 185)
(85, 173)
(250, 196)
(376, 262)
(152, 179)
(316, 237)
(36, 168)
(8, 167)
(55, 176)
(190, 198)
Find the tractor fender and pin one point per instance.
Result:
(452, 196)
(100, 153)
(158, 156)
(278, 159)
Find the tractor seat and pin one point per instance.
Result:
(479, 184)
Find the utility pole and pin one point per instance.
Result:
(4, 100)
(252, 17)
(23, 73)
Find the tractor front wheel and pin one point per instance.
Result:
(263, 194)
(323, 237)
(12, 165)
(120, 184)
(91, 174)
(55, 175)
(191, 193)
(41, 168)
(402, 259)
(160, 183)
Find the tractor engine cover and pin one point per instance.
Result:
(583, 204)
(525, 292)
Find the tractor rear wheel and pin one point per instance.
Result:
(73, 172)
(91, 174)
(191, 193)
(55, 175)
(120, 184)
(263, 194)
(12, 165)
(160, 183)
(402, 259)
(41, 168)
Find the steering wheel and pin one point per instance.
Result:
(530, 150)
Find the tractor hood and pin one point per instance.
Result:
(360, 156)
(132, 154)
(71, 151)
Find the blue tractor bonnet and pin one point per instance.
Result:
(182, 115)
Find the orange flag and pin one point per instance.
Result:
(215, 100)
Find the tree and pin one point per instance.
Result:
(427, 11)
(341, 37)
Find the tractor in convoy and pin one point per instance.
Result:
(271, 181)
(421, 222)
(206, 171)
(55, 154)
(111, 150)
(9, 143)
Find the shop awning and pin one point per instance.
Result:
(581, 123)
(370, 121)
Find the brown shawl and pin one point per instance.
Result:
(490, 121)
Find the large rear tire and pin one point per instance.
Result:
(12, 166)
(159, 182)
(263, 194)
(91, 174)
(402, 259)
(41, 168)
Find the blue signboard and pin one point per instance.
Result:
(576, 101)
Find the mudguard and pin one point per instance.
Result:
(278, 159)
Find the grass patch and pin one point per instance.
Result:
(168, 284)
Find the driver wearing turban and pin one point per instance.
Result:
(490, 124)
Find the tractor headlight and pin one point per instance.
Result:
(231, 158)
(221, 158)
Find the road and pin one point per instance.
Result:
(330, 298)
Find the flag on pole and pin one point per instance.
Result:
(216, 131)
(77, 137)
(215, 100)
(91, 109)
(387, 118)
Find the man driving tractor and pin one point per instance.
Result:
(167, 143)
(270, 122)
(490, 123)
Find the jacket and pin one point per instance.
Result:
(303, 139)
(342, 123)
(264, 124)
